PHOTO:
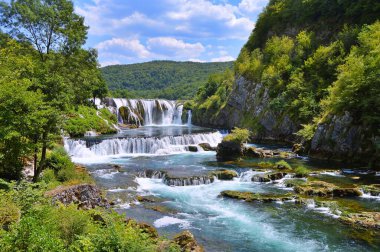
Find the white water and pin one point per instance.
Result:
(189, 115)
(203, 207)
(150, 112)
(139, 146)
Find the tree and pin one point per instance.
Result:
(64, 72)
(20, 111)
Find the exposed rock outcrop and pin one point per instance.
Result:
(340, 138)
(85, 195)
(363, 220)
(186, 241)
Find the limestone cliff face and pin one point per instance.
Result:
(248, 106)
(339, 138)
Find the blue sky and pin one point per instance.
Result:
(132, 31)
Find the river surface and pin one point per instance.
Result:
(219, 224)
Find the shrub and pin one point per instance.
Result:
(9, 211)
(282, 164)
(301, 171)
(237, 135)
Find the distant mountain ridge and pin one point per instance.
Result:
(160, 79)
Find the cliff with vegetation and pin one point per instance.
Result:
(308, 74)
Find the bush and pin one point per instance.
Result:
(9, 211)
(59, 159)
(282, 164)
(237, 135)
(301, 171)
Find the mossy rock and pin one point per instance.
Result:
(249, 196)
(186, 241)
(149, 198)
(363, 220)
(373, 190)
(294, 182)
(144, 227)
(161, 209)
(207, 147)
(9, 213)
(324, 189)
(224, 174)
(267, 177)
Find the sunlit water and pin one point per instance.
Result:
(221, 224)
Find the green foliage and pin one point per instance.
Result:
(86, 118)
(160, 79)
(357, 88)
(325, 18)
(283, 164)
(301, 171)
(307, 132)
(212, 96)
(237, 135)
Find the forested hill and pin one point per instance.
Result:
(160, 79)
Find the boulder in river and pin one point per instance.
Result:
(186, 241)
(229, 150)
(224, 174)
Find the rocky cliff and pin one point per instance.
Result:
(248, 106)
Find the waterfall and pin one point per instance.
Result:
(189, 117)
(149, 145)
(148, 112)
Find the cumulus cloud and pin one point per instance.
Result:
(174, 47)
(128, 31)
(129, 47)
(252, 5)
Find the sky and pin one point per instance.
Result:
(134, 31)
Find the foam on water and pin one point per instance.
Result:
(167, 221)
(115, 147)
(203, 204)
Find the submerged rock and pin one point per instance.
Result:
(149, 198)
(249, 196)
(85, 195)
(324, 189)
(224, 174)
(186, 241)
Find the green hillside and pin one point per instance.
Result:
(160, 79)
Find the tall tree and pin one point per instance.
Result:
(64, 71)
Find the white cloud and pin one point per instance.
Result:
(223, 59)
(131, 47)
(135, 18)
(252, 5)
(174, 47)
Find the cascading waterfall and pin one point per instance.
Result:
(148, 112)
(150, 145)
(189, 115)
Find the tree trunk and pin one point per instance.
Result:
(41, 164)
